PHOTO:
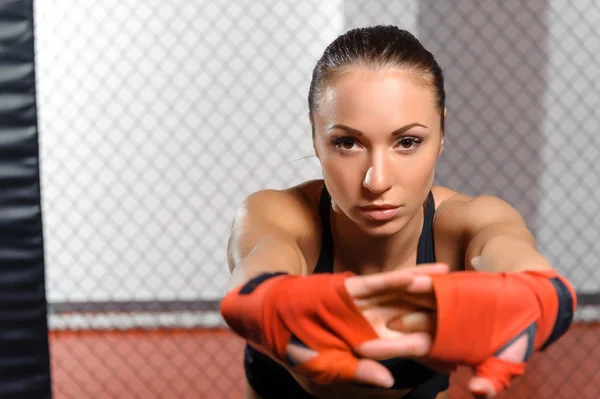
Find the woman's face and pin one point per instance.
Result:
(378, 137)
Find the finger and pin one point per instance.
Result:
(362, 286)
(481, 387)
(379, 317)
(370, 372)
(408, 345)
(414, 322)
(399, 303)
(390, 322)
(420, 284)
(423, 282)
(341, 366)
(494, 375)
(430, 268)
(298, 354)
(427, 268)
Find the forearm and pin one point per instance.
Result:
(498, 249)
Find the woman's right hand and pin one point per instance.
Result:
(383, 300)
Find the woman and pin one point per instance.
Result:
(377, 111)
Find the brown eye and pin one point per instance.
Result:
(346, 143)
(407, 143)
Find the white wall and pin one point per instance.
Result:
(569, 208)
(523, 88)
(403, 13)
(158, 118)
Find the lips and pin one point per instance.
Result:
(380, 213)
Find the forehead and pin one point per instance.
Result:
(364, 95)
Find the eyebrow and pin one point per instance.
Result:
(359, 133)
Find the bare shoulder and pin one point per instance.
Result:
(291, 208)
(459, 217)
(308, 196)
(443, 196)
(310, 191)
(456, 210)
(291, 212)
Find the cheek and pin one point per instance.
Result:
(342, 173)
(418, 174)
(343, 178)
(339, 166)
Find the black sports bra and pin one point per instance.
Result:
(270, 380)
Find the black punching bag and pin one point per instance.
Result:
(24, 354)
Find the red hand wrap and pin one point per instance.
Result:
(316, 309)
(499, 372)
(480, 313)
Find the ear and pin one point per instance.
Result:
(312, 128)
(442, 140)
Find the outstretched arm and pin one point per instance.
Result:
(269, 234)
(507, 302)
(273, 304)
(493, 234)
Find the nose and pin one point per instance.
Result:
(378, 178)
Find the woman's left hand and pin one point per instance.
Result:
(406, 323)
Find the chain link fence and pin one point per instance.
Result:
(158, 118)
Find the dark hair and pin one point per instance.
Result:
(377, 47)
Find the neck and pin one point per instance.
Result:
(362, 253)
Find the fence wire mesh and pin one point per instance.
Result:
(158, 118)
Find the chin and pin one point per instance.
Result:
(381, 229)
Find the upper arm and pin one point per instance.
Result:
(271, 231)
(467, 223)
